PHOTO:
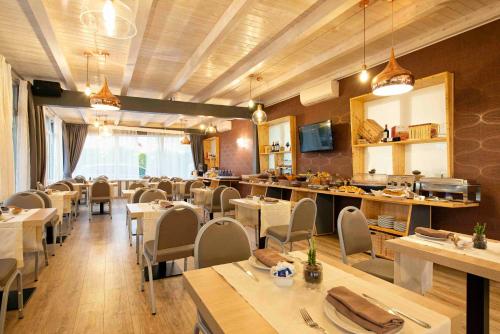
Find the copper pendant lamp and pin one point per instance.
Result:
(394, 79)
(104, 99)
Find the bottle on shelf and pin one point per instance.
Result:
(277, 146)
(273, 147)
(386, 133)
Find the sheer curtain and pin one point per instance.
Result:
(118, 156)
(7, 176)
(22, 149)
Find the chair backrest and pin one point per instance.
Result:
(25, 200)
(221, 240)
(187, 187)
(46, 199)
(68, 183)
(216, 195)
(80, 179)
(197, 184)
(176, 179)
(146, 177)
(166, 186)
(100, 189)
(137, 194)
(152, 194)
(40, 186)
(354, 234)
(303, 216)
(177, 227)
(154, 179)
(227, 194)
(135, 185)
(102, 177)
(59, 186)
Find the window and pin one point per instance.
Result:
(131, 155)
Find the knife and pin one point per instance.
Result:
(248, 272)
(394, 311)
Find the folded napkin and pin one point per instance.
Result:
(362, 312)
(429, 232)
(268, 256)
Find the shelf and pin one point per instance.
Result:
(386, 230)
(406, 142)
(280, 152)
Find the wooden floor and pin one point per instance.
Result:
(92, 286)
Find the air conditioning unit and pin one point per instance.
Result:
(320, 93)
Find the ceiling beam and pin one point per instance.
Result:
(37, 16)
(480, 17)
(171, 119)
(84, 116)
(72, 99)
(406, 16)
(144, 10)
(316, 17)
(228, 20)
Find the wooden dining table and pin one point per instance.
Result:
(416, 255)
(248, 212)
(226, 307)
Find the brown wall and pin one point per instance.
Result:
(474, 58)
(232, 156)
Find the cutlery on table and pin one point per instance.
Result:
(394, 311)
(248, 272)
(309, 321)
(6, 220)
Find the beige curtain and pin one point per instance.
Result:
(7, 176)
(73, 140)
(22, 148)
(38, 153)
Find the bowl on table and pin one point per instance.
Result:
(15, 210)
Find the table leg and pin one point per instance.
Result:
(478, 308)
(262, 240)
(412, 273)
(101, 208)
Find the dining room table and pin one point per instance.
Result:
(415, 255)
(261, 214)
(202, 196)
(147, 215)
(62, 202)
(229, 300)
(178, 189)
(128, 194)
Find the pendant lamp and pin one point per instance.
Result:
(110, 18)
(259, 116)
(394, 79)
(104, 99)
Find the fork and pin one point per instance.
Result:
(309, 321)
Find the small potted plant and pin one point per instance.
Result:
(479, 237)
(313, 270)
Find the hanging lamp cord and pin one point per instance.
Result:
(364, 35)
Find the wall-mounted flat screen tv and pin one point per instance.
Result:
(316, 137)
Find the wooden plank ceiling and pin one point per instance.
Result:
(204, 50)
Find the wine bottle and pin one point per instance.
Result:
(273, 147)
(386, 133)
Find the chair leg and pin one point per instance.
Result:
(45, 251)
(283, 249)
(36, 266)
(54, 239)
(265, 245)
(3, 308)
(59, 231)
(151, 288)
(291, 246)
(137, 246)
(20, 297)
(129, 223)
(185, 264)
(142, 279)
(110, 210)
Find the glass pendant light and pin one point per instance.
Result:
(88, 90)
(110, 18)
(211, 129)
(104, 99)
(185, 140)
(259, 116)
(394, 79)
(363, 75)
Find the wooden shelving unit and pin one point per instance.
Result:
(272, 160)
(358, 115)
(211, 152)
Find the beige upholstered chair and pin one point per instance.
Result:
(80, 179)
(28, 200)
(354, 237)
(83, 190)
(135, 199)
(176, 179)
(300, 228)
(103, 177)
(100, 192)
(226, 195)
(194, 185)
(8, 273)
(68, 183)
(167, 187)
(187, 190)
(40, 186)
(135, 185)
(59, 186)
(221, 240)
(55, 223)
(151, 195)
(214, 205)
(154, 179)
(176, 232)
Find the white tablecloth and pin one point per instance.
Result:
(17, 237)
(202, 196)
(273, 214)
(280, 306)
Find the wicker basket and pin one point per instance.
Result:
(371, 131)
(424, 131)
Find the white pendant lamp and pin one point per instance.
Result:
(111, 18)
(363, 75)
(211, 129)
(394, 79)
